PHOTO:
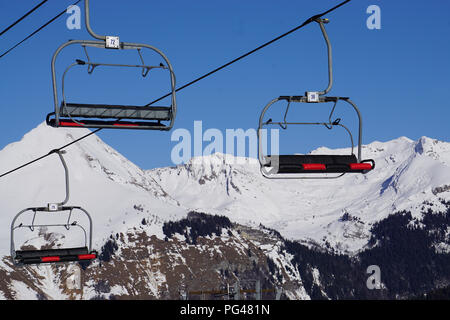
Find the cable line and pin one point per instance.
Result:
(36, 31)
(308, 21)
(23, 17)
(50, 153)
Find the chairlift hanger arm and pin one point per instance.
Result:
(315, 96)
(66, 175)
(88, 22)
(321, 23)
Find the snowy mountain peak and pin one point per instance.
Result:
(91, 155)
(113, 190)
(216, 165)
(433, 148)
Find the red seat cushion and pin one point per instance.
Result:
(87, 256)
(360, 166)
(50, 259)
(313, 166)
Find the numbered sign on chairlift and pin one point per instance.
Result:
(112, 42)
(52, 207)
(312, 97)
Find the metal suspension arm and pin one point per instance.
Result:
(57, 206)
(321, 23)
(88, 22)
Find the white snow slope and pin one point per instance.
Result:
(119, 195)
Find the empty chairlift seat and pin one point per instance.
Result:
(113, 116)
(115, 111)
(291, 164)
(54, 255)
(26, 220)
(312, 166)
(39, 256)
(79, 115)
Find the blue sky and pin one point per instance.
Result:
(398, 76)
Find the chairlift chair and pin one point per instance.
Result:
(313, 166)
(40, 256)
(73, 114)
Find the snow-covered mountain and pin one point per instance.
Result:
(126, 200)
(408, 173)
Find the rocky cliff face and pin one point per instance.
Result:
(198, 258)
(203, 256)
